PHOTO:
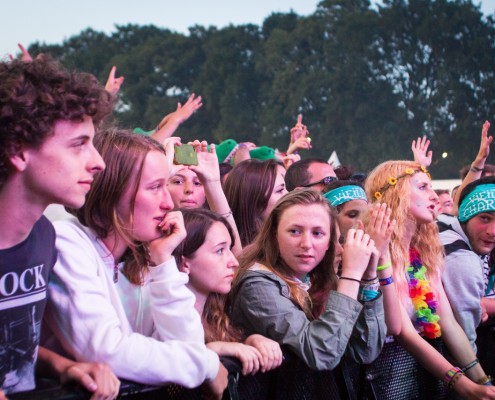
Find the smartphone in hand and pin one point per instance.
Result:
(185, 155)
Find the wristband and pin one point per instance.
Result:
(470, 365)
(386, 281)
(452, 376)
(483, 381)
(384, 266)
(476, 169)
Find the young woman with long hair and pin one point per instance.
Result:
(416, 260)
(116, 295)
(205, 255)
(252, 189)
(287, 289)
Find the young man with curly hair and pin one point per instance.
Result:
(47, 124)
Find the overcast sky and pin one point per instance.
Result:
(52, 21)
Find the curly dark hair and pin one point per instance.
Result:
(34, 95)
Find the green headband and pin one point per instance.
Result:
(344, 194)
(481, 199)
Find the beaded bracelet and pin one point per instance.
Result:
(470, 365)
(484, 380)
(452, 376)
(367, 295)
(386, 281)
(384, 266)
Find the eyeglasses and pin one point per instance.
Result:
(325, 181)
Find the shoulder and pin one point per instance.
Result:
(262, 277)
(72, 228)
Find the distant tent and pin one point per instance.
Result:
(334, 160)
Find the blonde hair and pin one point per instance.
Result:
(425, 238)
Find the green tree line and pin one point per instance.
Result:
(368, 79)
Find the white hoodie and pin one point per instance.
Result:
(149, 334)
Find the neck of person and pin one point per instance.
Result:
(116, 245)
(19, 211)
(199, 305)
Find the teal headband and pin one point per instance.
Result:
(344, 194)
(481, 199)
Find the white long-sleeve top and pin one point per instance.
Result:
(149, 334)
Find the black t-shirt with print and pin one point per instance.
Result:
(24, 271)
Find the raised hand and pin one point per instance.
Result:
(113, 84)
(299, 137)
(25, 56)
(420, 151)
(380, 227)
(207, 168)
(486, 140)
(358, 249)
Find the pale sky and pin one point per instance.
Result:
(52, 21)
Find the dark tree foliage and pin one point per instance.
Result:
(368, 79)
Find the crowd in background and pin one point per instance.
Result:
(174, 254)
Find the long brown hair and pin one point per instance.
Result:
(248, 188)
(425, 238)
(215, 321)
(265, 250)
(124, 153)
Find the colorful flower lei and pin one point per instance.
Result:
(392, 181)
(423, 298)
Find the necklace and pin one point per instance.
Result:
(423, 298)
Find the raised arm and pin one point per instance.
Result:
(299, 137)
(478, 164)
(380, 229)
(208, 173)
(169, 124)
(420, 151)
(113, 84)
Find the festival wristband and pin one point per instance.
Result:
(386, 281)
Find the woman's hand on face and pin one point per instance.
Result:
(207, 169)
(380, 228)
(174, 232)
(269, 349)
(358, 249)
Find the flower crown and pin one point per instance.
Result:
(392, 181)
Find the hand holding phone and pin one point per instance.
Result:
(185, 155)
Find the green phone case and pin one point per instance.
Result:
(185, 155)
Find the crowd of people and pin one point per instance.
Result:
(163, 264)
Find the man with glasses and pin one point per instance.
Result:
(315, 173)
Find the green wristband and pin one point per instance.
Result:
(384, 266)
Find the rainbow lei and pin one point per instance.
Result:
(423, 298)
